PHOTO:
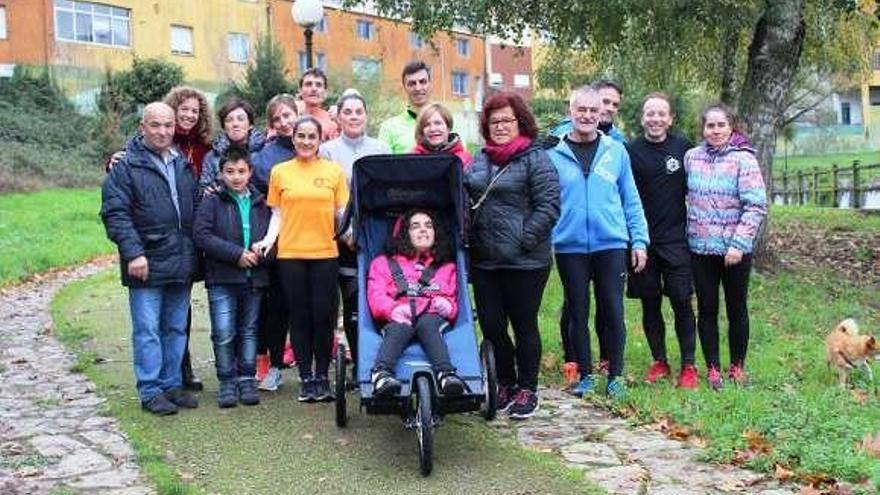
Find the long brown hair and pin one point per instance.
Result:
(178, 95)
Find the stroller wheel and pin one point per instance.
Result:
(424, 425)
(490, 380)
(341, 409)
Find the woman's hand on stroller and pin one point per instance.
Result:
(401, 314)
(442, 306)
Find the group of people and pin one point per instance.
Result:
(256, 214)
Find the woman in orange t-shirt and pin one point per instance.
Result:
(308, 195)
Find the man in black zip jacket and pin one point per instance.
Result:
(657, 160)
(148, 200)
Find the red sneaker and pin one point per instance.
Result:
(713, 376)
(262, 366)
(603, 367)
(688, 378)
(737, 374)
(289, 358)
(657, 371)
(570, 373)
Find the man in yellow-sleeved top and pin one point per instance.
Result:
(307, 195)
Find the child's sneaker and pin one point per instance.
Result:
(384, 384)
(505, 397)
(450, 383)
(657, 371)
(737, 375)
(322, 390)
(247, 392)
(524, 405)
(603, 367)
(688, 379)
(227, 396)
(713, 376)
(307, 390)
(616, 388)
(583, 387)
(262, 366)
(288, 359)
(272, 380)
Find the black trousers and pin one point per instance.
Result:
(512, 296)
(655, 327)
(565, 330)
(274, 321)
(427, 330)
(709, 272)
(608, 271)
(310, 292)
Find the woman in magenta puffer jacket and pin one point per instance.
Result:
(412, 293)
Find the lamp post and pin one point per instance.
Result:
(307, 13)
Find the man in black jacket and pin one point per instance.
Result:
(657, 160)
(148, 199)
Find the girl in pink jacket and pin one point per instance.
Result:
(412, 292)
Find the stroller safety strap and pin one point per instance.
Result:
(413, 290)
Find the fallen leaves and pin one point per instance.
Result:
(860, 396)
(870, 444)
(673, 430)
(782, 474)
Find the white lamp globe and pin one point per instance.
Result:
(307, 13)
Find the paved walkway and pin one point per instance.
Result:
(626, 460)
(55, 440)
(53, 436)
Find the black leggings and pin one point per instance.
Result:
(709, 272)
(310, 292)
(608, 270)
(513, 296)
(655, 327)
(427, 329)
(565, 330)
(274, 321)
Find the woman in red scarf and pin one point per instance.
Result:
(434, 134)
(192, 132)
(514, 192)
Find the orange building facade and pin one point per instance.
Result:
(214, 40)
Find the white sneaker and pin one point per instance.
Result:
(272, 380)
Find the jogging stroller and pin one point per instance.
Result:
(383, 188)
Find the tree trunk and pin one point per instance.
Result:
(728, 65)
(774, 55)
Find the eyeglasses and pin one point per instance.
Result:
(502, 122)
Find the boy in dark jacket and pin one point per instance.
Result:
(227, 223)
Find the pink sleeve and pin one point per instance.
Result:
(447, 280)
(379, 297)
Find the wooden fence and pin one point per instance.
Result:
(853, 186)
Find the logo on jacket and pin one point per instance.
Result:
(672, 164)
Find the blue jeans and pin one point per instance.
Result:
(235, 313)
(158, 336)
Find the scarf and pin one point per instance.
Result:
(500, 154)
(451, 145)
(192, 148)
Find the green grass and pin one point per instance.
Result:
(49, 229)
(807, 162)
(282, 446)
(827, 218)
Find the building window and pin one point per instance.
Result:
(181, 40)
(92, 23)
(239, 48)
(365, 69)
(321, 26)
(365, 30)
(463, 47)
(496, 79)
(521, 80)
(875, 60)
(416, 41)
(845, 113)
(2, 22)
(320, 61)
(459, 83)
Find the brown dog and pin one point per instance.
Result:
(847, 350)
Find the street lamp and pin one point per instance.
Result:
(307, 13)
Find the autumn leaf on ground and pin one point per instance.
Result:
(809, 490)
(818, 479)
(673, 430)
(860, 396)
(870, 444)
(782, 474)
(757, 441)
